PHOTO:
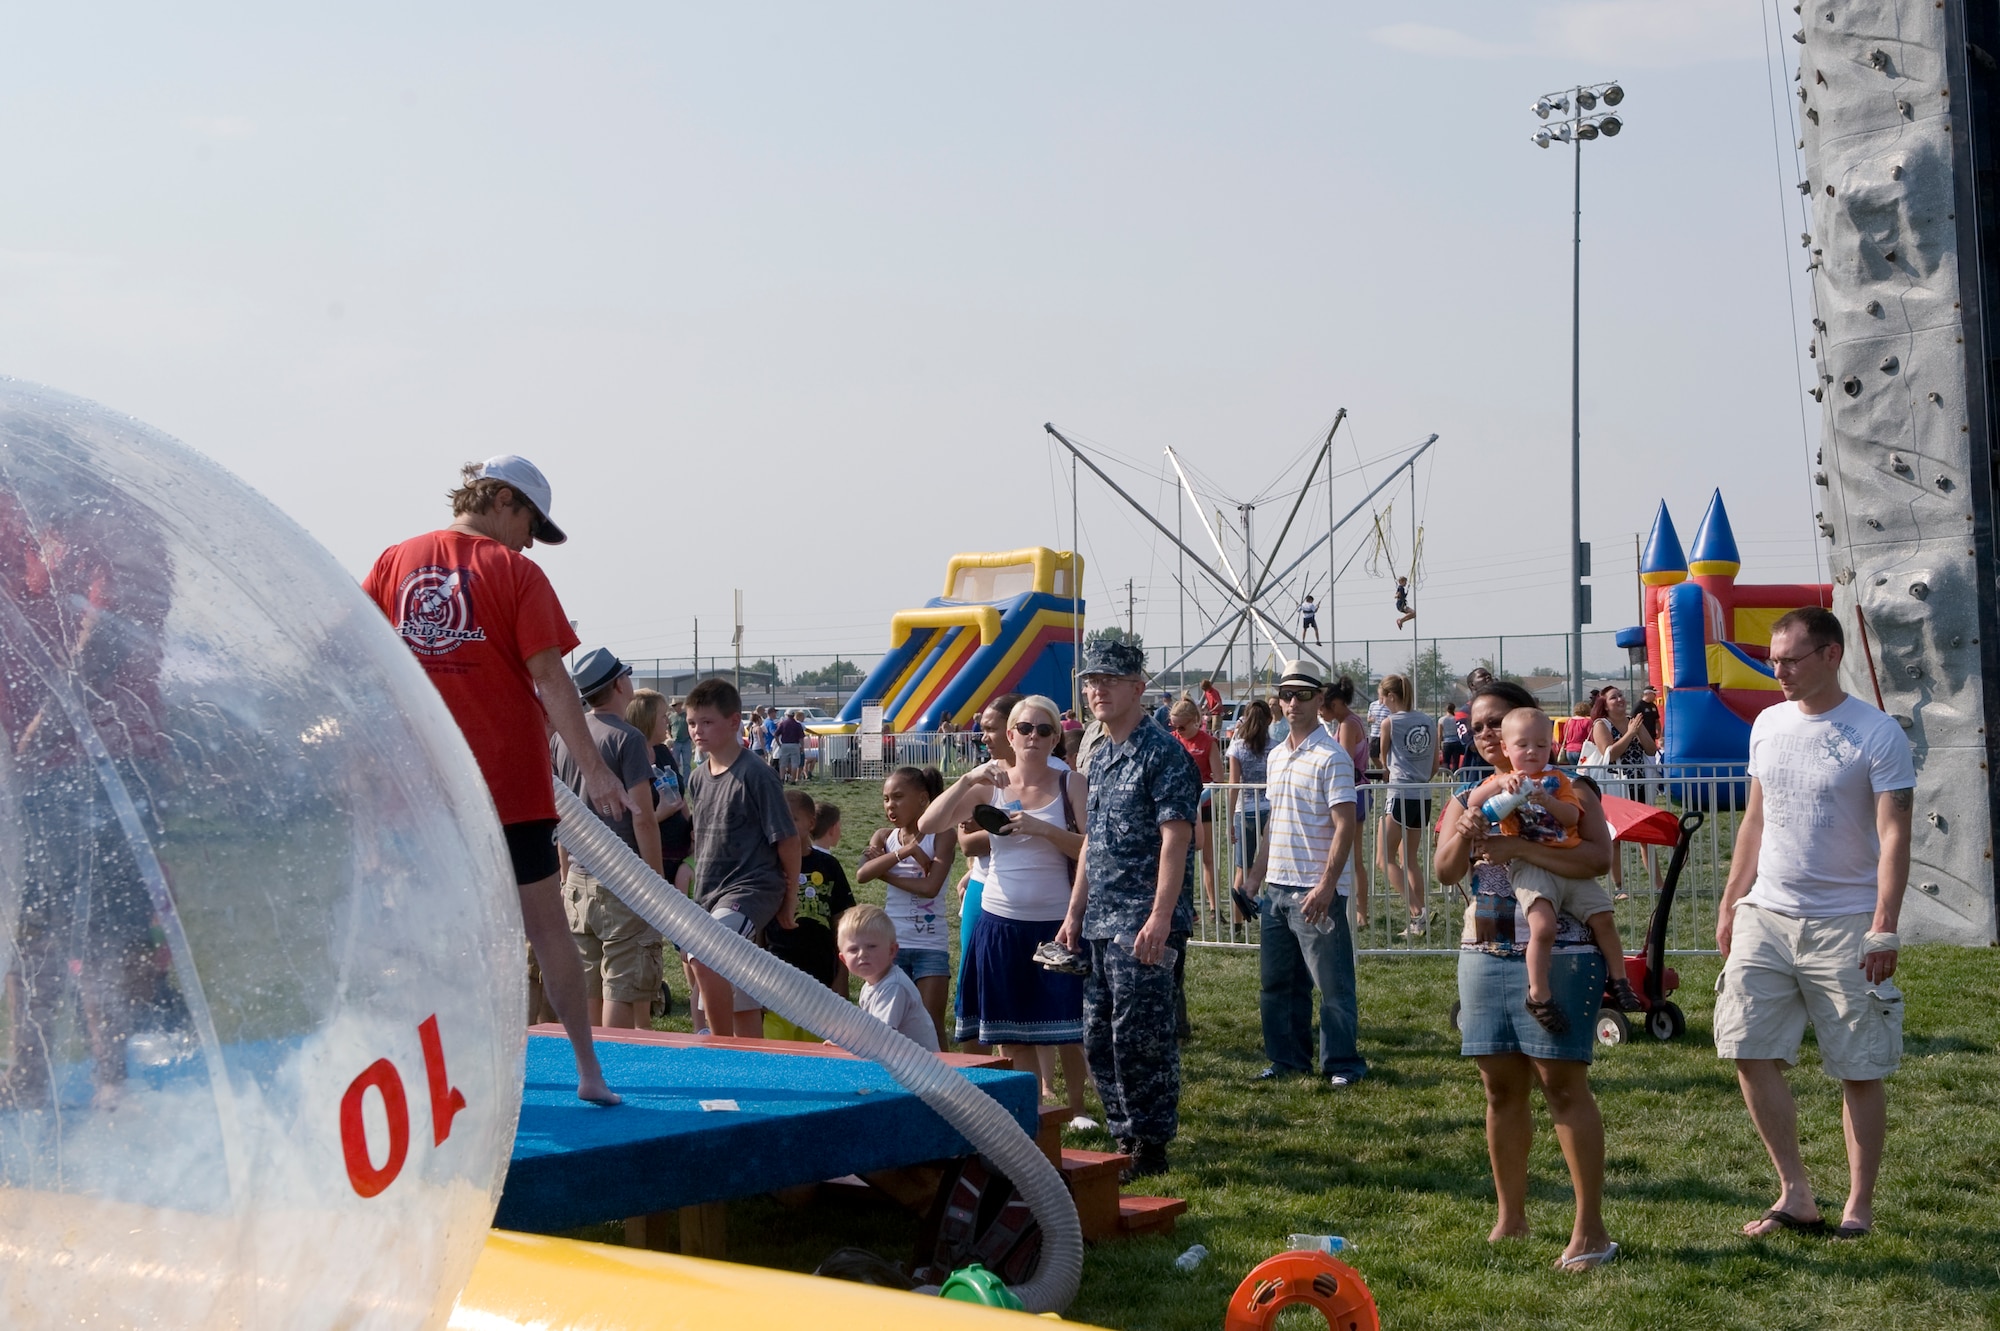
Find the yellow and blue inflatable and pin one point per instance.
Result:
(1007, 623)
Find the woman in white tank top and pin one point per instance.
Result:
(1006, 998)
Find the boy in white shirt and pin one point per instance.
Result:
(868, 946)
(1808, 919)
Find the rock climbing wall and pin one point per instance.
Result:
(1905, 460)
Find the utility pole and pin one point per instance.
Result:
(739, 640)
(1128, 609)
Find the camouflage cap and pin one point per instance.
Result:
(1113, 658)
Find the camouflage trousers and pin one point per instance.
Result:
(1129, 1041)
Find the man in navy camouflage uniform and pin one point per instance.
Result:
(1137, 842)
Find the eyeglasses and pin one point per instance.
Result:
(1042, 728)
(1481, 727)
(1297, 695)
(1794, 662)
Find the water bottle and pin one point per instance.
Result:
(1330, 1244)
(1129, 942)
(1500, 806)
(1190, 1259)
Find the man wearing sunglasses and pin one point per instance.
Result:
(1301, 866)
(487, 628)
(1133, 890)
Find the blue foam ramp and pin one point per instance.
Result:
(799, 1119)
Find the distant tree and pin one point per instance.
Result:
(1356, 670)
(1434, 679)
(840, 674)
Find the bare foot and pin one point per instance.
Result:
(594, 1090)
(1504, 1230)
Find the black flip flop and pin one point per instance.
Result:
(1849, 1230)
(1786, 1220)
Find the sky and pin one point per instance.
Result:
(780, 296)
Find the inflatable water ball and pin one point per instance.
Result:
(264, 994)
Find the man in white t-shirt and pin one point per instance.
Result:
(1304, 939)
(1808, 919)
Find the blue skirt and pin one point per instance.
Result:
(1006, 997)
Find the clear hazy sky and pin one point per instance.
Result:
(779, 296)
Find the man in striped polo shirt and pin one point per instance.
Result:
(1300, 867)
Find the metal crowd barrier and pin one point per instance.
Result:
(950, 751)
(1382, 926)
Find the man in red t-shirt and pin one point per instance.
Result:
(488, 630)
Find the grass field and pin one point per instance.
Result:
(1398, 1166)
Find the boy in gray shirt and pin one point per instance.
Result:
(746, 848)
(620, 951)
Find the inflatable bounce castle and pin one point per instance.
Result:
(1007, 623)
(1707, 638)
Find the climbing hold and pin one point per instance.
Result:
(1935, 399)
(1851, 386)
(1920, 589)
(1879, 58)
(1888, 365)
(1897, 462)
(1873, 307)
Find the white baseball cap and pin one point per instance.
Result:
(531, 485)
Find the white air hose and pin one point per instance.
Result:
(804, 1001)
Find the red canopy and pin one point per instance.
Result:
(1633, 821)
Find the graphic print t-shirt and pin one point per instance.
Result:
(824, 893)
(473, 611)
(1820, 776)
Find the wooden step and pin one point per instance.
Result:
(1049, 1132)
(1092, 1179)
(1148, 1215)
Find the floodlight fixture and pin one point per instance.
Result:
(1586, 100)
(1613, 95)
(1610, 125)
(1542, 107)
(1586, 131)
(1542, 138)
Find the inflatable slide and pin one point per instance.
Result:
(1007, 623)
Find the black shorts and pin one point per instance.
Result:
(533, 846)
(1411, 811)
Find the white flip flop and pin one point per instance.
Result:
(1586, 1261)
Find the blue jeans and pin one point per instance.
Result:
(1293, 958)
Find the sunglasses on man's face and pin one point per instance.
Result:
(1026, 728)
(1297, 695)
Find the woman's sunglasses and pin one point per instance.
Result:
(1043, 728)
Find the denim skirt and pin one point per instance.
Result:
(1493, 1016)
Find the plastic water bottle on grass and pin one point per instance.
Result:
(1190, 1259)
(1330, 1244)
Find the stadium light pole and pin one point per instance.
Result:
(1580, 120)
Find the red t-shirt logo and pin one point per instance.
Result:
(434, 610)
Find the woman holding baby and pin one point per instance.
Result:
(1515, 1051)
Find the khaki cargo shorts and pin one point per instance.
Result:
(621, 952)
(1578, 898)
(1783, 972)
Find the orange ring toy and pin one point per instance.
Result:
(1313, 1278)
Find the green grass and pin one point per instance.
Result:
(1398, 1166)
